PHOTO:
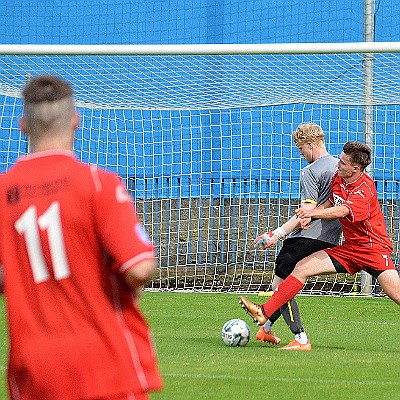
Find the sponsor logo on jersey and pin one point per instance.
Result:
(13, 194)
(360, 192)
(338, 201)
(30, 191)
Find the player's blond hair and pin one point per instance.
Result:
(309, 133)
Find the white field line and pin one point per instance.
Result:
(287, 380)
(301, 380)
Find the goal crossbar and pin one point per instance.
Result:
(201, 49)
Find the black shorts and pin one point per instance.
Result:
(295, 249)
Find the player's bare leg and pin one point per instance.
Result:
(390, 282)
(318, 263)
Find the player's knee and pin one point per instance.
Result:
(395, 296)
(285, 264)
(276, 282)
(301, 270)
(394, 293)
(390, 282)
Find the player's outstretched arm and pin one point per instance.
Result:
(326, 211)
(268, 239)
(140, 274)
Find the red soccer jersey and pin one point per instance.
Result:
(68, 231)
(365, 224)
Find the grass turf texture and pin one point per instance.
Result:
(355, 350)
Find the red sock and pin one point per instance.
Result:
(287, 290)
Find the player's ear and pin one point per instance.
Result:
(75, 120)
(23, 125)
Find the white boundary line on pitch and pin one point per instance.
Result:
(263, 379)
(301, 380)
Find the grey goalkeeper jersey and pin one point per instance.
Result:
(315, 187)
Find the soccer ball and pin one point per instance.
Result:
(235, 332)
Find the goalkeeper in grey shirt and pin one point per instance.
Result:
(315, 187)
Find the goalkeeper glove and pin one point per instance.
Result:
(269, 238)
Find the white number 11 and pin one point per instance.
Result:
(28, 225)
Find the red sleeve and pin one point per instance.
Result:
(123, 235)
(358, 203)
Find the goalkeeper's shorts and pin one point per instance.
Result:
(294, 250)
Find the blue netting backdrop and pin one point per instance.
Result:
(182, 151)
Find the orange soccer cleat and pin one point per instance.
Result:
(268, 336)
(297, 346)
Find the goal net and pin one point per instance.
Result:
(202, 137)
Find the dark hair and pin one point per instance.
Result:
(46, 88)
(359, 153)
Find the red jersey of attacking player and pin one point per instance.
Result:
(364, 226)
(68, 232)
(366, 246)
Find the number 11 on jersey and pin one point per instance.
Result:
(28, 225)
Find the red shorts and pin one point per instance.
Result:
(354, 259)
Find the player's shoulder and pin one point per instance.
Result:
(321, 166)
(8, 176)
(366, 179)
(101, 177)
(364, 185)
(327, 162)
(102, 172)
(3, 179)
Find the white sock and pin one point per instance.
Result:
(301, 337)
(267, 326)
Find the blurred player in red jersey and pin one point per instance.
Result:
(366, 246)
(75, 256)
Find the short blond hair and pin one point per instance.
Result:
(309, 133)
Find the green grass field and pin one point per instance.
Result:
(355, 350)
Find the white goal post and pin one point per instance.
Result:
(201, 134)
